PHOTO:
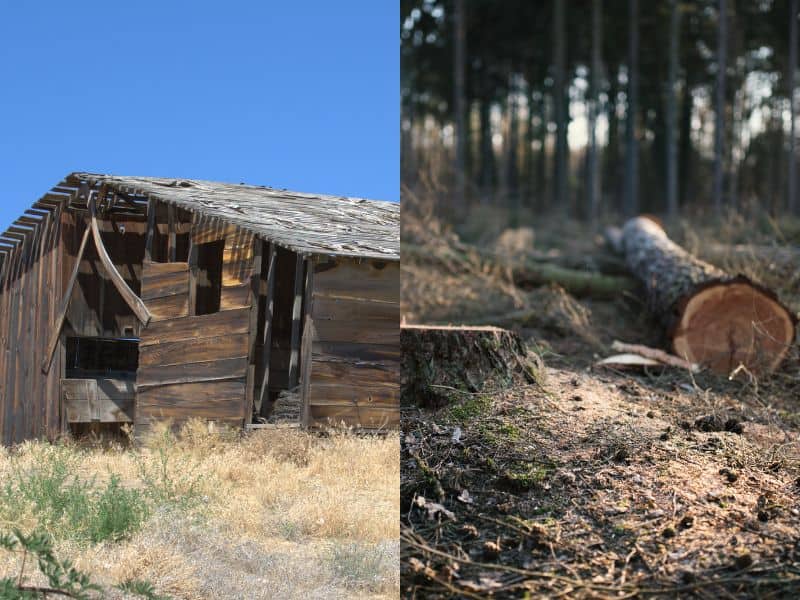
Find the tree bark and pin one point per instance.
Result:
(594, 104)
(711, 318)
(459, 104)
(719, 117)
(672, 121)
(561, 104)
(438, 362)
(487, 151)
(631, 205)
(792, 190)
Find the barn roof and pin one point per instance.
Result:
(304, 223)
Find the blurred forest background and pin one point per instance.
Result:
(593, 108)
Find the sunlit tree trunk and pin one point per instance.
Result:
(594, 186)
(719, 145)
(487, 151)
(631, 204)
(672, 110)
(792, 158)
(560, 101)
(512, 155)
(459, 104)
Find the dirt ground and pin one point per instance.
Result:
(597, 483)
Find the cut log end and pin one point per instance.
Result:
(727, 324)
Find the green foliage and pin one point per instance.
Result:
(61, 575)
(471, 408)
(169, 481)
(73, 508)
(141, 588)
(115, 512)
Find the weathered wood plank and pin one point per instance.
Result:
(222, 323)
(369, 332)
(169, 307)
(349, 279)
(234, 296)
(98, 400)
(344, 393)
(348, 309)
(336, 372)
(62, 309)
(170, 283)
(215, 400)
(154, 269)
(356, 351)
(213, 370)
(198, 350)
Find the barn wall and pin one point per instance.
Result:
(96, 307)
(352, 335)
(195, 366)
(30, 292)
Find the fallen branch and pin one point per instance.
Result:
(655, 354)
(528, 270)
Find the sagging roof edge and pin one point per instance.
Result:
(66, 190)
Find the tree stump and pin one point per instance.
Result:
(437, 360)
(711, 317)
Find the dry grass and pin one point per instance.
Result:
(277, 513)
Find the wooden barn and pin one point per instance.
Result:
(134, 299)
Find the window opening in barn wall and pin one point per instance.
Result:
(208, 277)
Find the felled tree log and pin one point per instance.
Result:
(711, 318)
(440, 360)
(525, 271)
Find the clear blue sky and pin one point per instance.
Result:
(291, 94)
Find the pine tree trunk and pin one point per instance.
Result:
(672, 123)
(631, 204)
(711, 317)
(593, 183)
(719, 150)
(487, 151)
(561, 103)
(459, 63)
(792, 158)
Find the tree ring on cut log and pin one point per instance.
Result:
(725, 324)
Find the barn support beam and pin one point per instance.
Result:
(171, 237)
(307, 341)
(261, 407)
(297, 308)
(255, 285)
(131, 299)
(151, 228)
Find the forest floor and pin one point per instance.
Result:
(269, 514)
(594, 482)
